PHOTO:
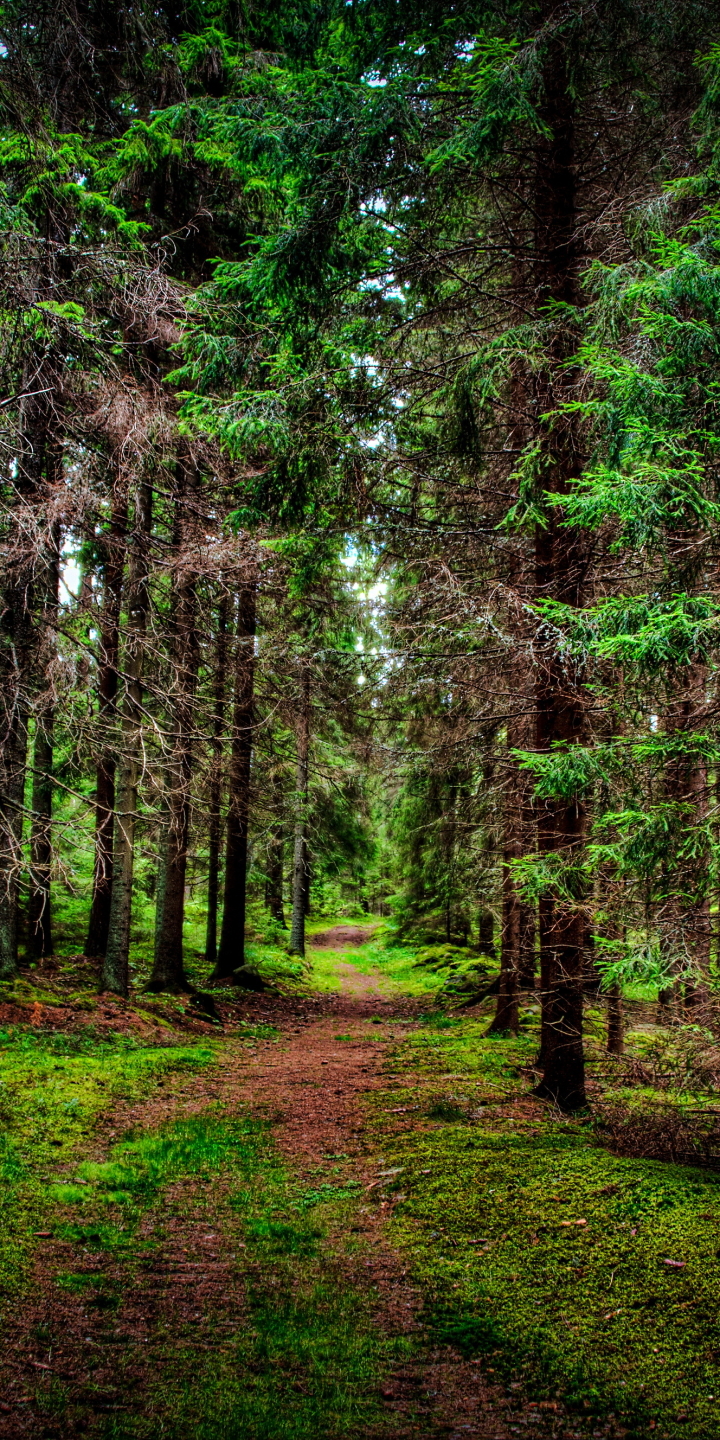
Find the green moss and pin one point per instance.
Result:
(491, 1219)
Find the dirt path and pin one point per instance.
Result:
(313, 1085)
(340, 936)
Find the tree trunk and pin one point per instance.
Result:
(486, 933)
(505, 1019)
(686, 930)
(231, 955)
(16, 638)
(300, 865)
(114, 559)
(615, 1021)
(39, 908)
(275, 859)
(215, 798)
(37, 463)
(168, 972)
(115, 972)
(559, 574)
(506, 1013)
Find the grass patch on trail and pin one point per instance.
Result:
(53, 1088)
(392, 966)
(293, 1355)
(589, 1311)
(302, 1358)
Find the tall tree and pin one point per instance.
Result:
(116, 965)
(231, 951)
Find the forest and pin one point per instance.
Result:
(359, 746)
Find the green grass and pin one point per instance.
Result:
(303, 1359)
(591, 1312)
(302, 1356)
(391, 966)
(53, 1088)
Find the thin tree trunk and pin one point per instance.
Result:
(115, 972)
(39, 910)
(215, 799)
(275, 860)
(486, 932)
(231, 954)
(506, 1012)
(300, 866)
(505, 1019)
(114, 546)
(559, 575)
(16, 638)
(168, 972)
(615, 1026)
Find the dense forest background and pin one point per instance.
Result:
(360, 432)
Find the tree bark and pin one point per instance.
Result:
(114, 561)
(559, 574)
(37, 464)
(116, 972)
(486, 932)
(231, 954)
(615, 1025)
(215, 798)
(168, 972)
(17, 639)
(300, 863)
(40, 941)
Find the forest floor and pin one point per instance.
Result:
(341, 1214)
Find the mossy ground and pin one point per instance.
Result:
(571, 1270)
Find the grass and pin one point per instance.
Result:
(302, 1359)
(301, 1356)
(53, 1089)
(491, 1223)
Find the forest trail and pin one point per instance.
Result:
(131, 1333)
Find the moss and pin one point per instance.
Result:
(531, 1241)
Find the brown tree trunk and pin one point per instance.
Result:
(114, 544)
(215, 797)
(559, 574)
(615, 1026)
(37, 464)
(115, 972)
(16, 640)
(275, 859)
(505, 1020)
(39, 910)
(300, 859)
(486, 932)
(686, 928)
(168, 972)
(231, 954)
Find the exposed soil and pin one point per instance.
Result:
(340, 936)
(312, 1084)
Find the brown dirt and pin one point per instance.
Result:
(313, 1085)
(340, 936)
